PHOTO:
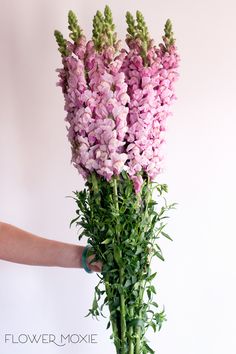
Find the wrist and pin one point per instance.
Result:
(78, 256)
(85, 257)
(69, 255)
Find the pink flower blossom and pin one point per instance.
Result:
(151, 92)
(117, 107)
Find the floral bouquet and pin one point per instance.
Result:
(117, 101)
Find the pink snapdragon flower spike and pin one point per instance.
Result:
(96, 98)
(150, 75)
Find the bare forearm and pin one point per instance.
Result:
(20, 246)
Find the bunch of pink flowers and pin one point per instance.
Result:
(117, 100)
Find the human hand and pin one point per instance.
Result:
(87, 259)
(95, 266)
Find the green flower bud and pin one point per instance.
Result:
(108, 15)
(103, 29)
(131, 24)
(98, 23)
(62, 43)
(168, 37)
(74, 27)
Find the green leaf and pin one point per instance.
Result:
(127, 283)
(166, 235)
(108, 325)
(139, 250)
(150, 350)
(105, 242)
(159, 255)
(151, 276)
(74, 220)
(164, 187)
(153, 325)
(117, 255)
(88, 314)
(137, 322)
(152, 289)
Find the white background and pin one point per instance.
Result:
(196, 283)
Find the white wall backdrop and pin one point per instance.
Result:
(197, 281)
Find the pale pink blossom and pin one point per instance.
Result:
(117, 107)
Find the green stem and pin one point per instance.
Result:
(137, 335)
(122, 315)
(121, 274)
(131, 330)
(113, 322)
(138, 329)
